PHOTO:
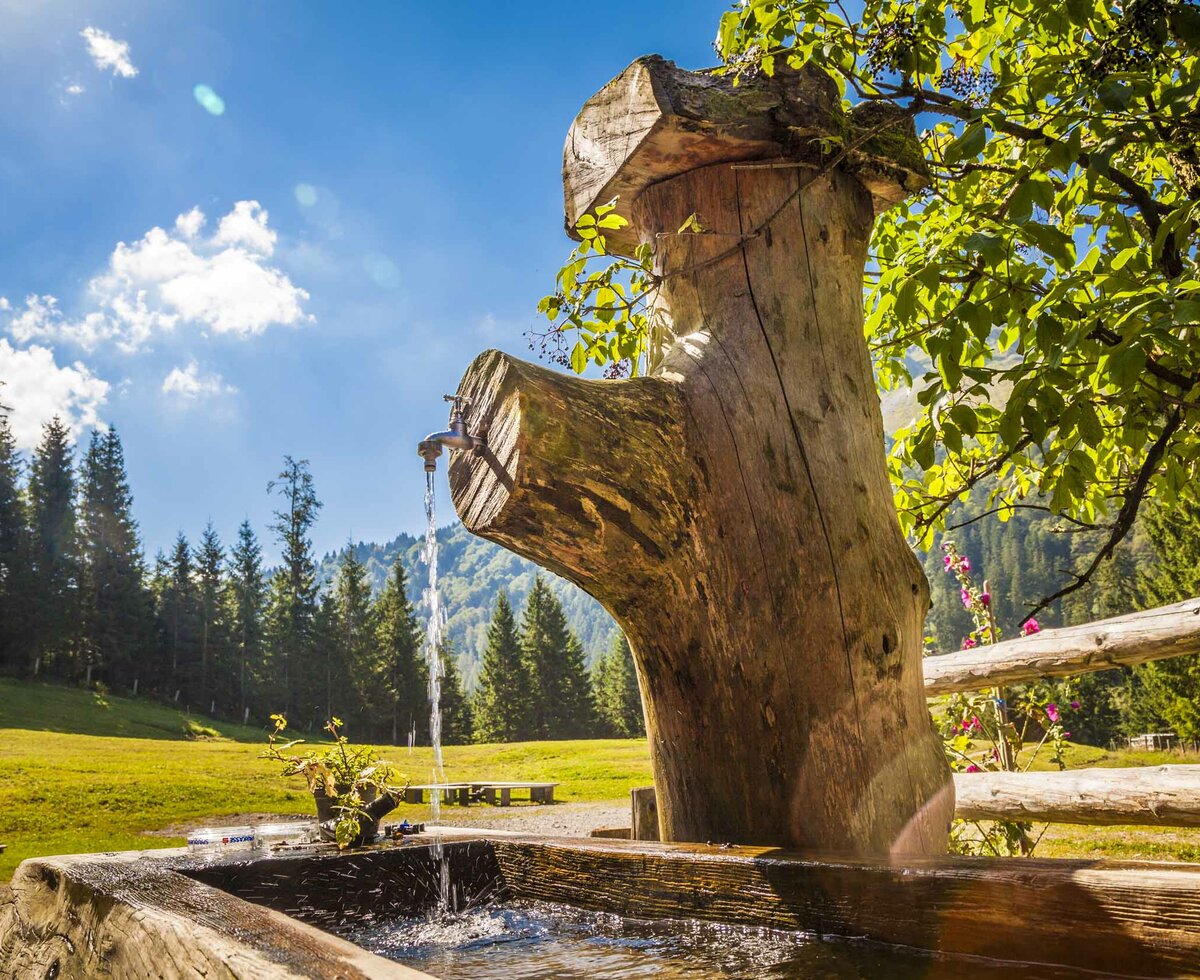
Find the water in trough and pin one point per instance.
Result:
(536, 940)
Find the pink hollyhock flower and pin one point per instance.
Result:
(973, 768)
(966, 598)
(1052, 712)
(964, 564)
(947, 563)
(975, 726)
(995, 755)
(1074, 705)
(985, 598)
(969, 643)
(1031, 626)
(1066, 734)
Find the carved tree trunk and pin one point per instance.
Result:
(733, 511)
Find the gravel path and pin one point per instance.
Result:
(553, 819)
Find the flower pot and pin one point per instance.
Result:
(327, 816)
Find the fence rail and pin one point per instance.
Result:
(1151, 796)
(1156, 634)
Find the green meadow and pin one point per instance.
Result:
(83, 772)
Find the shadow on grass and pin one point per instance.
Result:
(30, 706)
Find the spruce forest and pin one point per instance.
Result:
(219, 630)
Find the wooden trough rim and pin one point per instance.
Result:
(1117, 918)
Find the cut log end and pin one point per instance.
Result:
(655, 121)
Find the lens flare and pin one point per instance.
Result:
(209, 100)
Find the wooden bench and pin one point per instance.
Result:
(500, 793)
(459, 793)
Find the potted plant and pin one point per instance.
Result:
(351, 786)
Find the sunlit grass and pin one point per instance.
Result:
(82, 773)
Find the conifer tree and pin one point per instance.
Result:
(618, 700)
(55, 549)
(457, 717)
(214, 684)
(15, 558)
(247, 603)
(292, 606)
(503, 697)
(181, 619)
(561, 705)
(576, 716)
(399, 684)
(1171, 687)
(116, 626)
(160, 591)
(351, 655)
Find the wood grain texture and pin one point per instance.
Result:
(733, 513)
(134, 917)
(1155, 634)
(1157, 796)
(1119, 919)
(655, 121)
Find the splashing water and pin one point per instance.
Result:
(433, 660)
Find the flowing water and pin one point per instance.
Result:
(536, 940)
(433, 660)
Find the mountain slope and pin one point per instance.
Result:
(471, 572)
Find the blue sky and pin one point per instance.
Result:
(309, 270)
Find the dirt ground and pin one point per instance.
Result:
(553, 820)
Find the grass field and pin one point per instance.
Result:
(80, 772)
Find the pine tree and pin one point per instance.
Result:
(399, 678)
(618, 700)
(351, 655)
(160, 591)
(292, 606)
(457, 717)
(560, 706)
(116, 612)
(1171, 687)
(504, 693)
(576, 716)
(214, 683)
(180, 610)
(247, 604)
(15, 559)
(55, 549)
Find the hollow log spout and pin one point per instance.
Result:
(732, 511)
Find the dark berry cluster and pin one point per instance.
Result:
(1139, 37)
(890, 47)
(972, 85)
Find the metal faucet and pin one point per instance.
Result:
(455, 437)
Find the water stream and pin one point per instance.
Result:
(433, 661)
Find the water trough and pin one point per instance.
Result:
(170, 914)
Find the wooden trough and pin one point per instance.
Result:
(165, 914)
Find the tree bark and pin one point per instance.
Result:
(1156, 634)
(1154, 796)
(733, 513)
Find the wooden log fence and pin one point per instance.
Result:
(1151, 796)
(1156, 634)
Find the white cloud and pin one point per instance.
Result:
(36, 388)
(189, 223)
(75, 89)
(167, 278)
(108, 52)
(190, 385)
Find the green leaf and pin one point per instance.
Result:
(578, 358)
(1114, 95)
(969, 145)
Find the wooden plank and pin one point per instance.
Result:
(1158, 796)
(1116, 918)
(644, 806)
(131, 916)
(1156, 634)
